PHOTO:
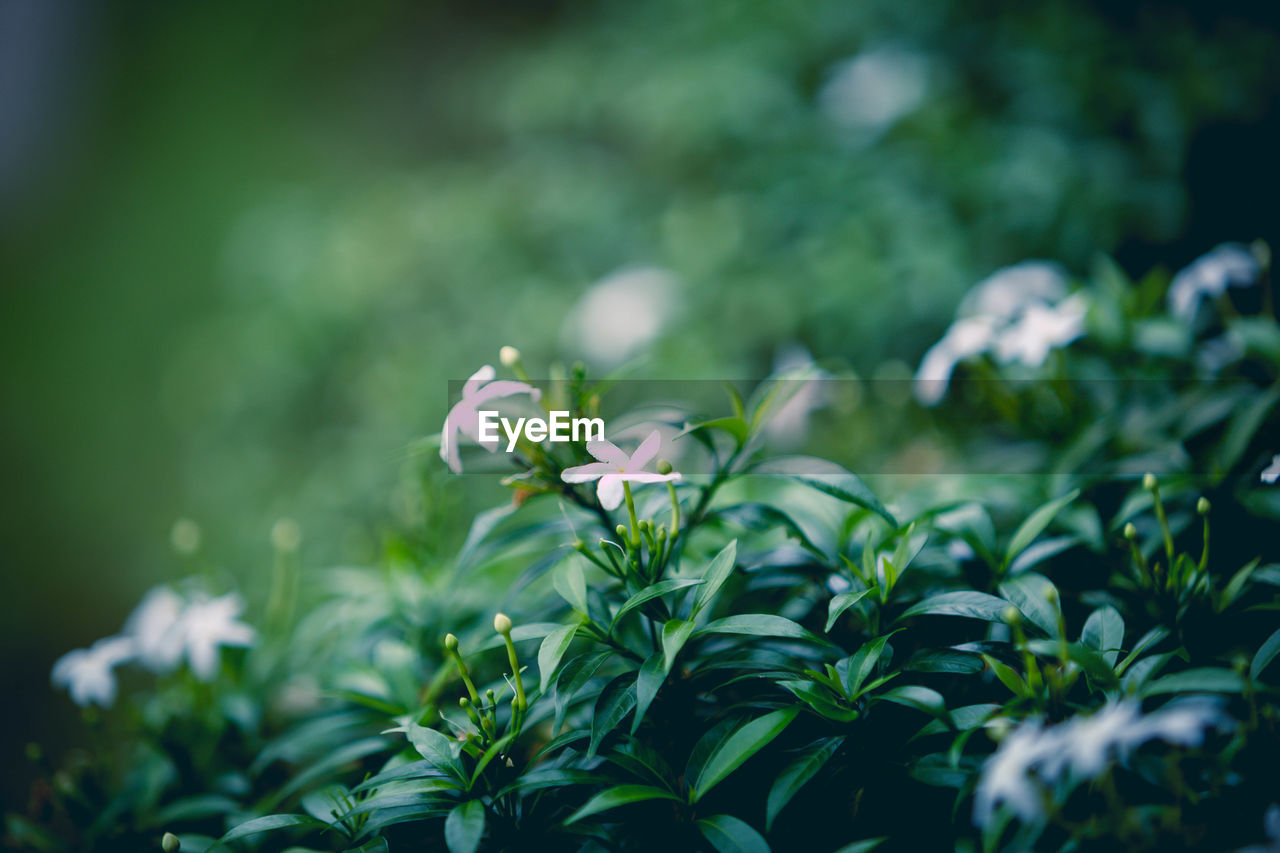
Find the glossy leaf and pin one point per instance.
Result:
(464, 827)
(794, 777)
(732, 752)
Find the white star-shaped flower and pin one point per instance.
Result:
(464, 418)
(206, 625)
(616, 467)
(88, 674)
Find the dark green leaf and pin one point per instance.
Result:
(464, 827)
(760, 625)
(652, 674)
(1035, 525)
(975, 605)
(745, 742)
(553, 647)
(794, 777)
(842, 602)
(620, 796)
(1265, 655)
(612, 705)
(675, 634)
(651, 592)
(715, 576)
(1202, 680)
(729, 834)
(1037, 598)
(1104, 632)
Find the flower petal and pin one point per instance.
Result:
(609, 491)
(645, 452)
(649, 477)
(588, 472)
(607, 451)
(481, 376)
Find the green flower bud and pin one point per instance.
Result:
(170, 843)
(502, 624)
(1202, 506)
(1130, 532)
(621, 530)
(1012, 615)
(1149, 481)
(509, 356)
(464, 703)
(664, 467)
(450, 642)
(1051, 594)
(286, 535)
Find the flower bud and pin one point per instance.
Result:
(509, 356)
(1012, 615)
(621, 530)
(286, 535)
(664, 467)
(1149, 481)
(185, 536)
(450, 642)
(464, 703)
(1202, 506)
(502, 624)
(1130, 532)
(1051, 594)
(170, 843)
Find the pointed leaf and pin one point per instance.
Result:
(1035, 525)
(738, 747)
(464, 827)
(794, 777)
(675, 634)
(620, 796)
(729, 834)
(826, 477)
(1031, 594)
(553, 647)
(842, 602)
(975, 605)
(715, 576)
(652, 674)
(1104, 632)
(1265, 655)
(651, 592)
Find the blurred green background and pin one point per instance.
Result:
(243, 246)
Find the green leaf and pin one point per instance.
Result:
(715, 576)
(573, 676)
(1265, 655)
(1008, 676)
(917, 696)
(842, 602)
(1030, 593)
(495, 749)
(651, 592)
(859, 665)
(862, 846)
(1104, 632)
(553, 647)
(612, 705)
(794, 777)
(464, 827)
(1035, 525)
(572, 585)
(675, 634)
(1202, 680)
(1149, 639)
(437, 748)
(1243, 427)
(745, 742)
(652, 673)
(619, 796)
(734, 426)
(975, 605)
(729, 834)
(760, 625)
(269, 823)
(826, 477)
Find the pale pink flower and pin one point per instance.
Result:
(616, 467)
(464, 418)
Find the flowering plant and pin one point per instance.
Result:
(758, 652)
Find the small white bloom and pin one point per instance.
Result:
(1007, 292)
(1006, 776)
(616, 468)
(1272, 472)
(508, 356)
(207, 624)
(154, 628)
(1228, 265)
(464, 417)
(1041, 329)
(88, 674)
(621, 314)
(874, 89)
(967, 337)
(1271, 826)
(1090, 742)
(1181, 723)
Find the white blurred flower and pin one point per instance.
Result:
(1006, 777)
(1270, 825)
(1020, 313)
(1007, 292)
(621, 314)
(88, 674)
(616, 467)
(464, 418)
(965, 339)
(207, 624)
(874, 89)
(154, 628)
(1083, 748)
(1227, 265)
(1272, 472)
(1041, 329)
